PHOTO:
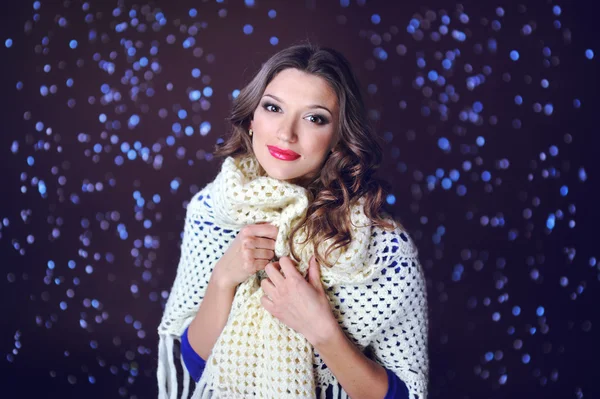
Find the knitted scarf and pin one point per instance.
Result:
(257, 355)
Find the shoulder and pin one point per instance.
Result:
(392, 241)
(200, 206)
(202, 199)
(200, 217)
(394, 258)
(398, 272)
(383, 240)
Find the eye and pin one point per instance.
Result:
(271, 107)
(318, 119)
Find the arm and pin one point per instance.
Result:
(199, 252)
(193, 362)
(211, 317)
(352, 369)
(398, 345)
(249, 252)
(396, 389)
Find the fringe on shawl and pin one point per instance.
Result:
(202, 390)
(336, 393)
(167, 376)
(167, 373)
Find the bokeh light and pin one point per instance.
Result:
(112, 112)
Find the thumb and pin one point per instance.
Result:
(314, 273)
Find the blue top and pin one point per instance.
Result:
(195, 365)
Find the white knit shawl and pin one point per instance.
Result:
(375, 287)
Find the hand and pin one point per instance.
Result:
(251, 250)
(300, 304)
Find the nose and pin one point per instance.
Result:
(286, 132)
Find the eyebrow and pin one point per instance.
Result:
(310, 106)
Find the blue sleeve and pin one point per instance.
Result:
(194, 363)
(396, 387)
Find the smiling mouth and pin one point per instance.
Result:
(283, 155)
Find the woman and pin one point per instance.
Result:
(292, 282)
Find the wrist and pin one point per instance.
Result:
(322, 337)
(218, 279)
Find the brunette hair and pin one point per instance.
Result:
(347, 173)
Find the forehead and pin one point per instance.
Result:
(295, 86)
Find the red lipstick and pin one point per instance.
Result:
(284, 155)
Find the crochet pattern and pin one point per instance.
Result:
(375, 287)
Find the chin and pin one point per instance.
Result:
(279, 174)
(282, 170)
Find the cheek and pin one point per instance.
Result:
(263, 126)
(319, 144)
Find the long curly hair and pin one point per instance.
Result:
(347, 173)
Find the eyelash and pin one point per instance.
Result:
(322, 118)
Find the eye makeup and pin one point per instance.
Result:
(322, 119)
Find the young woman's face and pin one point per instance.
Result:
(295, 125)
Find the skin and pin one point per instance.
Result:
(303, 306)
(299, 112)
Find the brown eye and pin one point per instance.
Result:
(270, 107)
(319, 120)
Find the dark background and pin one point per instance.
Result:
(89, 252)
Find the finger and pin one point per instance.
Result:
(259, 264)
(274, 274)
(269, 289)
(314, 273)
(316, 265)
(288, 267)
(267, 303)
(266, 254)
(263, 230)
(264, 243)
(259, 243)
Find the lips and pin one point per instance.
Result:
(284, 155)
